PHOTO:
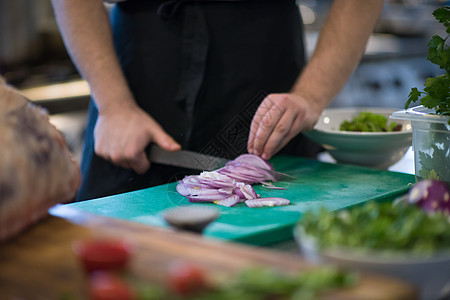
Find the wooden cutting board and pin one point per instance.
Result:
(317, 184)
(39, 263)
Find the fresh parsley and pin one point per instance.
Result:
(258, 283)
(431, 166)
(388, 228)
(436, 92)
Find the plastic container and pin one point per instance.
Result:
(430, 140)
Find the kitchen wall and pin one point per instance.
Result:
(395, 58)
(33, 59)
(32, 52)
(31, 48)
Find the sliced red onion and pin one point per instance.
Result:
(194, 190)
(271, 201)
(182, 190)
(239, 193)
(269, 185)
(431, 195)
(193, 181)
(227, 191)
(215, 179)
(232, 183)
(247, 174)
(253, 160)
(245, 191)
(199, 190)
(247, 169)
(207, 197)
(239, 178)
(228, 202)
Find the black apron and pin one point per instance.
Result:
(201, 69)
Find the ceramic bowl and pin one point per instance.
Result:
(429, 274)
(372, 149)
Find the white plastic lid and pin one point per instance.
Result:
(421, 114)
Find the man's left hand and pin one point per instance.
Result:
(279, 118)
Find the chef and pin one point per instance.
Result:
(220, 77)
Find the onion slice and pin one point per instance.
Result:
(269, 185)
(228, 202)
(271, 201)
(253, 160)
(232, 184)
(209, 196)
(215, 179)
(245, 191)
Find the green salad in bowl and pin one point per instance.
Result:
(362, 136)
(407, 238)
(367, 121)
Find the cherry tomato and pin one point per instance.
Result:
(103, 254)
(186, 278)
(108, 286)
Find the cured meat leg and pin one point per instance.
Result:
(37, 169)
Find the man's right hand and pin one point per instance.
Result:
(121, 136)
(123, 130)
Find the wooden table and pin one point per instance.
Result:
(39, 264)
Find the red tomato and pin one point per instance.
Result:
(186, 278)
(102, 254)
(108, 286)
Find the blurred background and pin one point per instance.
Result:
(33, 58)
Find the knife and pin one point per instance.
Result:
(197, 161)
(185, 159)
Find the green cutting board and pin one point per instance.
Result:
(333, 186)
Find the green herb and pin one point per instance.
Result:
(431, 166)
(436, 93)
(263, 283)
(432, 152)
(368, 122)
(380, 226)
(150, 292)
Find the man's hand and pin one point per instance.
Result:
(339, 48)
(121, 137)
(123, 130)
(278, 119)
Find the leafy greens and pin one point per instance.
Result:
(368, 122)
(387, 227)
(436, 91)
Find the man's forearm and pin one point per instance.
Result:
(87, 34)
(339, 49)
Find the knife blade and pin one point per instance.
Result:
(198, 161)
(185, 158)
